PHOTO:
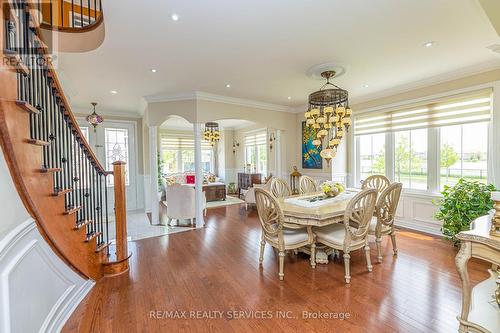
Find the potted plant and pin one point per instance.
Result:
(461, 204)
(160, 177)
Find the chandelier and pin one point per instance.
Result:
(94, 119)
(329, 115)
(211, 133)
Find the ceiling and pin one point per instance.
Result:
(179, 123)
(264, 49)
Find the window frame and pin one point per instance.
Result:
(433, 160)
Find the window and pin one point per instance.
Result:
(371, 155)
(463, 153)
(85, 132)
(429, 144)
(256, 152)
(177, 153)
(116, 149)
(410, 158)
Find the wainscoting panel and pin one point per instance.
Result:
(416, 211)
(38, 291)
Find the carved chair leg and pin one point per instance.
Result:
(368, 259)
(262, 247)
(282, 264)
(394, 246)
(313, 255)
(378, 241)
(347, 268)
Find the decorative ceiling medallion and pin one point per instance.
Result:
(316, 71)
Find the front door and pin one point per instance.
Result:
(115, 141)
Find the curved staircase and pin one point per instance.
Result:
(58, 177)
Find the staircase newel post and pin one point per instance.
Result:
(120, 211)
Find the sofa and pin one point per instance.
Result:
(214, 188)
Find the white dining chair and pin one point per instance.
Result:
(353, 233)
(378, 182)
(276, 234)
(280, 188)
(307, 185)
(383, 222)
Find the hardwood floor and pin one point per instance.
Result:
(216, 269)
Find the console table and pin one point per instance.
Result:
(480, 312)
(246, 180)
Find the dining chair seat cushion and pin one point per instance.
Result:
(293, 236)
(373, 226)
(333, 234)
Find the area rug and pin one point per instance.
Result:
(139, 227)
(223, 203)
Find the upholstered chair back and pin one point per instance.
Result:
(307, 185)
(180, 201)
(280, 188)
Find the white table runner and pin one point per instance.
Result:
(302, 202)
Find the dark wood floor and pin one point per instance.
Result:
(216, 269)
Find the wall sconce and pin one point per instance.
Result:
(272, 138)
(235, 144)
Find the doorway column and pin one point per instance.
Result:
(198, 176)
(153, 171)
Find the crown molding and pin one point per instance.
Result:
(434, 80)
(81, 111)
(204, 96)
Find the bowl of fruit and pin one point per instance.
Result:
(332, 189)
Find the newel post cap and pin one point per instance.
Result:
(119, 163)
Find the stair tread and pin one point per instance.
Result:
(72, 210)
(102, 246)
(27, 107)
(38, 142)
(93, 235)
(58, 193)
(82, 223)
(50, 170)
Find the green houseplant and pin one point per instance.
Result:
(461, 204)
(160, 176)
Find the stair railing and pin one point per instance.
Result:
(69, 15)
(78, 175)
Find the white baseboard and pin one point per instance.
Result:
(422, 226)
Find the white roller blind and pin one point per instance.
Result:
(259, 138)
(453, 110)
(177, 142)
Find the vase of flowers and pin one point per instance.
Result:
(332, 189)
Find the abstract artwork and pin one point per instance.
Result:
(311, 158)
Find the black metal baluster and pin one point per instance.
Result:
(81, 13)
(70, 164)
(88, 10)
(73, 14)
(95, 10)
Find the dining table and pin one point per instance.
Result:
(317, 210)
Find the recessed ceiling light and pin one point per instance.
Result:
(153, 70)
(114, 92)
(228, 85)
(365, 86)
(428, 44)
(289, 97)
(175, 17)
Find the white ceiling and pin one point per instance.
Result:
(179, 123)
(264, 48)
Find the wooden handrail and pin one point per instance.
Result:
(67, 107)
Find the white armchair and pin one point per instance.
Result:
(181, 203)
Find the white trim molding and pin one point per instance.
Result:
(203, 96)
(38, 291)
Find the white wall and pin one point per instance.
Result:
(38, 291)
